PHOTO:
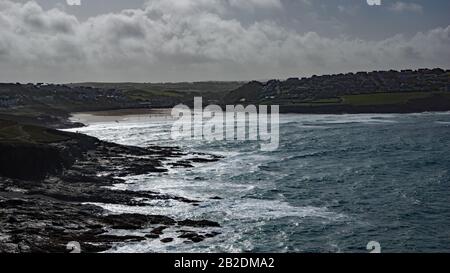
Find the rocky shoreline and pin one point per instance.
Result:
(45, 202)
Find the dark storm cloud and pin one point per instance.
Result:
(177, 40)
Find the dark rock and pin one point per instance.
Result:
(212, 234)
(199, 178)
(12, 203)
(159, 230)
(115, 239)
(167, 240)
(194, 237)
(49, 211)
(200, 223)
(12, 220)
(136, 221)
(181, 164)
(30, 161)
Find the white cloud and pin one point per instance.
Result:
(189, 40)
(406, 7)
(256, 3)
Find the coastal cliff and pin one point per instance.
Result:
(48, 177)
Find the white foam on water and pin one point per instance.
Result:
(230, 179)
(242, 209)
(215, 244)
(314, 121)
(237, 217)
(189, 188)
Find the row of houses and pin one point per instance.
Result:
(359, 83)
(56, 95)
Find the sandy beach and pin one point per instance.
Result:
(120, 115)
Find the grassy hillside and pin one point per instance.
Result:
(362, 92)
(169, 93)
(13, 132)
(389, 98)
(373, 99)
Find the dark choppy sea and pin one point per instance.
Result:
(336, 183)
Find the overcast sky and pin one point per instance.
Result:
(191, 40)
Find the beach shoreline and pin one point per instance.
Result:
(117, 115)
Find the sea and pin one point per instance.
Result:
(336, 183)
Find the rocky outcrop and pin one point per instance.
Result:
(29, 153)
(44, 189)
(31, 161)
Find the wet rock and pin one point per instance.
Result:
(49, 211)
(30, 161)
(200, 223)
(181, 164)
(136, 221)
(212, 234)
(94, 232)
(94, 248)
(193, 236)
(167, 240)
(158, 230)
(9, 248)
(12, 203)
(116, 239)
(12, 220)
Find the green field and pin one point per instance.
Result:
(375, 99)
(182, 90)
(138, 94)
(13, 132)
(387, 98)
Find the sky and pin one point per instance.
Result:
(203, 40)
